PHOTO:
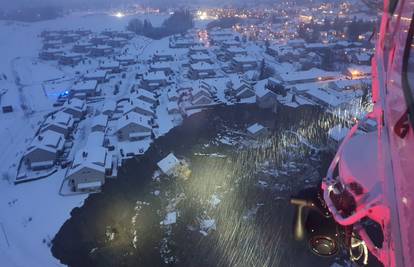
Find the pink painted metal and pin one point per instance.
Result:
(381, 163)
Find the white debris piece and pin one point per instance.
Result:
(171, 218)
(214, 201)
(168, 164)
(207, 225)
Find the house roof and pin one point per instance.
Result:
(168, 163)
(85, 85)
(255, 128)
(133, 118)
(154, 76)
(100, 120)
(338, 132)
(89, 157)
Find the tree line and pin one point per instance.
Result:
(179, 22)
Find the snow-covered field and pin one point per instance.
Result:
(32, 213)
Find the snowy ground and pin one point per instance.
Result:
(26, 224)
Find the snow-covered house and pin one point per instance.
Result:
(51, 54)
(75, 107)
(89, 168)
(307, 76)
(101, 51)
(198, 49)
(59, 122)
(139, 106)
(83, 89)
(243, 63)
(117, 42)
(172, 108)
(43, 151)
(230, 43)
(99, 39)
(257, 130)
(100, 76)
(133, 126)
(109, 108)
(201, 70)
(145, 95)
(161, 66)
(200, 57)
(163, 56)
(82, 47)
(99, 123)
(169, 164)
(172, 95)
(70, 59)
(153, 80)
(201, 96)
(232, 52)
(126, 60)
(358, 72)
(111, 66)
(265, 98)
(245, 92)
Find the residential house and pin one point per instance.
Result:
(59, 122)
(99, 123)
(83, 89)
(75, 107)
(133, 126)
(201, 70)
(44, 150)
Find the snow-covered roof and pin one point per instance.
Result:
(61, 118)
(95, 139)
(168, 164)
(133, 118)
(200, 66)
(109, 64)
(144, 93)
(155, 76)
(96, 74)
(138, 103)
(100, 120)
(255, 128)
(109, 105)
(48, 140)
(313, 73)
(244, 59)
(85, 85)
(89, 157)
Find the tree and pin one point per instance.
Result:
(265, 71)
(135, 25)
(327, 60)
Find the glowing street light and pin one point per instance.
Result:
(119, 14)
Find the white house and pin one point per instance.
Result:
(172, 108)
(153, 80)
(75, 107)
(109, 107)
(99, 76)
(201, 70)
(99, 123)
(43, 151)
(83, 89)
(89, 168)
(133, 126)
(146, 96)
(243, 63)
(139, 106)
(59, 122)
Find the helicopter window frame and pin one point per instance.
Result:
(407, 87)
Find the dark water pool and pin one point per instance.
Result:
(238, 187)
